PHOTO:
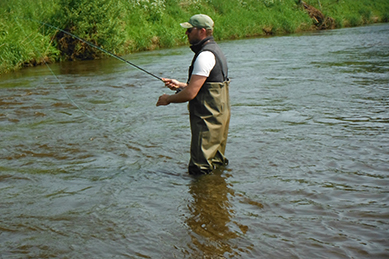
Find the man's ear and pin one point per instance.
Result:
(203, 30)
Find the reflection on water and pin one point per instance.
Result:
(91, 168)
(212, 217)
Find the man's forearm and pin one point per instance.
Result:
(180, 97)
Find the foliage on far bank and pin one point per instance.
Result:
(125, 26)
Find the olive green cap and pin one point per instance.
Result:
(199, 21)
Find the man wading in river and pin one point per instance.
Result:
(207, 93)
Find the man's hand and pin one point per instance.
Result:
(173, 84)
(163, 100)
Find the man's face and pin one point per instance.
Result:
(193, 35)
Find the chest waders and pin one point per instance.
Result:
(209, 114)
(209, 122)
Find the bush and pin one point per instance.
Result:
(98, 22)
(21, 43)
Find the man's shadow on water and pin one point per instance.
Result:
(211, 221)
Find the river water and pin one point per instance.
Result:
(91, 168)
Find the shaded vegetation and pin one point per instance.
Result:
(124, 26)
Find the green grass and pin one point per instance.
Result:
(124, 26)
(348, 13)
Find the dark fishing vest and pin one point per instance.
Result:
(220, 71)
(212, 98)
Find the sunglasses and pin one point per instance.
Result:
(189, 30)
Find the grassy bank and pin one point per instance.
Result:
(124, 26)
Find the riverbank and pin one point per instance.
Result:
(123, 27)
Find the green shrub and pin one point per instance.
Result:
(98, 22)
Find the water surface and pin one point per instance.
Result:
(90, 168)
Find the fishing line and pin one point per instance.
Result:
(97, 47)
(59, 82)
(66, 92)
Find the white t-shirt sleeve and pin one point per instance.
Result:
(204, 64)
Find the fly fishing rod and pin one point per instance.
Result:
(101, 49)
